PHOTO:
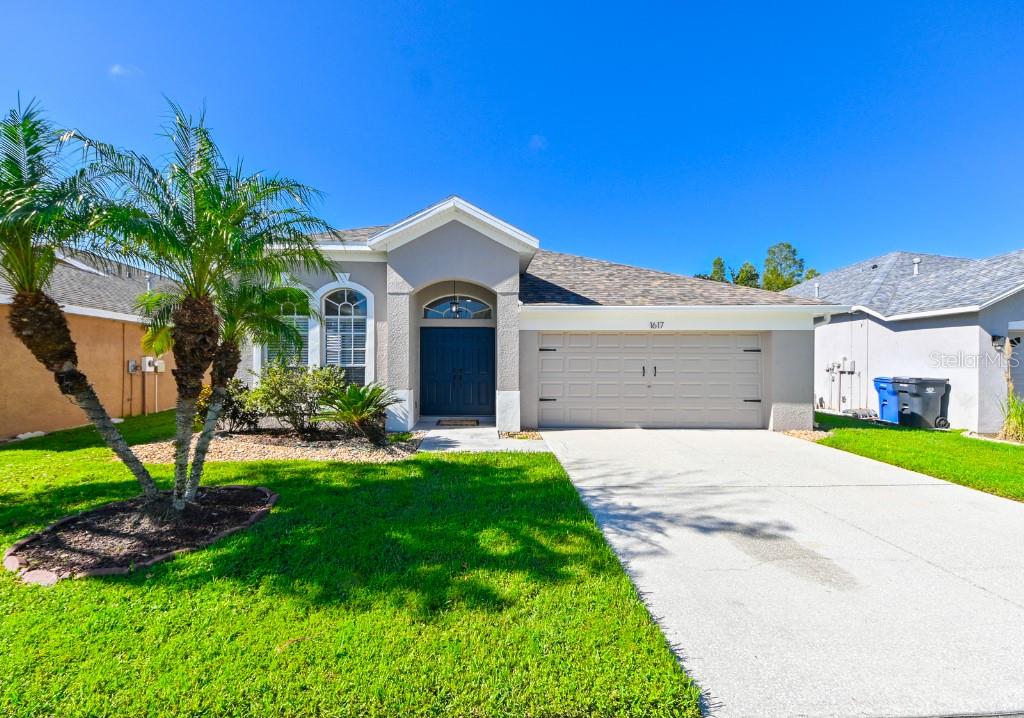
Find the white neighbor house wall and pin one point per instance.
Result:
(955, 346)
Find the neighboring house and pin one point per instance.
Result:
(463, 314)
(922, 315)
(98, 300)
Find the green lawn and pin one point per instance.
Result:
(446, 585)
(983, 465)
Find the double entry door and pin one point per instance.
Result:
(456, 371)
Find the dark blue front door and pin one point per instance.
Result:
(456, 371)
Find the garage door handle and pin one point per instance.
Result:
(756, 351)
(543, 399)
(752, 401)
(643, 371)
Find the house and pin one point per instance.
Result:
(922, 315)
(463, 314)
(98, 299)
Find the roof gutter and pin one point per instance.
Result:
(90, 312)
(815, 309)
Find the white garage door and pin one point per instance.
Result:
(650, 379)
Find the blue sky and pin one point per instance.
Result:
(660, 135)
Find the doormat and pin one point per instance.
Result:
(458, 422)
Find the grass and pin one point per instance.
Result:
(1013, 426)
(983, 465)
(445, 585)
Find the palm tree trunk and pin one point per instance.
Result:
(195, 341)
(41, 326)
(225, 364)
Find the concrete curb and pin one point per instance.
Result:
(45, 577)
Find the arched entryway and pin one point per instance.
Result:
(457, 350)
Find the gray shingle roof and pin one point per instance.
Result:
(554, 278)
(70, 285)
(887, 284)
(342, 237)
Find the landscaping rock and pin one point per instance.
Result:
(283, 446)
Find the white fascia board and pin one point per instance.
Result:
(1001, 297)
(673, 318)
(352, 254)
(916, 315)
(967, 309)
(90, 312)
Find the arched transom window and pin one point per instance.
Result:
(457, 306)
(345, 333)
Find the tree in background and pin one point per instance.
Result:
(717, 271)
(783, 268)
(45, 208)
(746, 276)
(811, 274)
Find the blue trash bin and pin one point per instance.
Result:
(888, 400)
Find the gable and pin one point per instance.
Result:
(456, 209)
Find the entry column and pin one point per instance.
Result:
(401, 416)
(506, 400)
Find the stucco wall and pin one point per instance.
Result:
(996, 320)
(372, 276)
(788, 379)
(941, 347)
(450, 253)
(30, 401)
(529, 389)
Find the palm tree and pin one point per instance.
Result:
(199, 222)
(45, 209)
(257, 311)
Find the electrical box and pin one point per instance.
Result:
(148, 364)
(159, 366)
(133, 366)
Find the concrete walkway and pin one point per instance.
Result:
(483, 437)
(797, 580)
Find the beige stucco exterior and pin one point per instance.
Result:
(30, 400)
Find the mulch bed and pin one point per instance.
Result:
(284, 445)
(127, 535)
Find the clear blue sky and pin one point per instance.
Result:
(656, 135)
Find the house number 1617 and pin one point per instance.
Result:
(657, 325)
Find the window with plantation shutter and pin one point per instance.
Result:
(289, 354)
(344, 333)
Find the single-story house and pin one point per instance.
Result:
(922, 315)
(98, 300)
(463, 314)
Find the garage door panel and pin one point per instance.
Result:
(650, 379)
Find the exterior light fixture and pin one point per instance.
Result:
(454, 303)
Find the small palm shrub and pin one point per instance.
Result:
(235, 415)
(1013, 421)
(360, 408)
(295, 396)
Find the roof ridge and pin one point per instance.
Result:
(880, 278)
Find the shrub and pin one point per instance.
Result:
(295, 396)
(360, 408)
(1013, 421)
(236, 414)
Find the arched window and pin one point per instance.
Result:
(457, 306)
(290, 354)
(344, 333)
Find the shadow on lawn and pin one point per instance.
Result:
(419, 535)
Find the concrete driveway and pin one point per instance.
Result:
(797, 580)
